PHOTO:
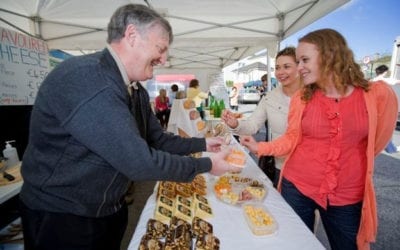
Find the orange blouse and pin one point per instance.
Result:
(381, 106)
(332, 150)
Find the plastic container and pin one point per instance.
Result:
(236, 189)
(259, 219)
(11, 154)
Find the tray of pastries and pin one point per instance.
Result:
(236, 189)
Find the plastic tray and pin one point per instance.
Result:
(236, 189)
(259, 219)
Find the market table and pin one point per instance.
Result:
(231, 228)
(9, 189)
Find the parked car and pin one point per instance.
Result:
(249, 95)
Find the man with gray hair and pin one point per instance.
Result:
(92, 132)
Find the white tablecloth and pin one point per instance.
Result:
(230, 225)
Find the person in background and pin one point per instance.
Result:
(174, 91)
(264, 85)
(92, 131)
(161, 108)
(180, 94)
(381, 75)
(337, 124)
(263, 89)
(274, 106)
(233, 99)
(194, 93)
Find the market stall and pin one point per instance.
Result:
(229, 221)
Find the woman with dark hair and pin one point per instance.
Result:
(272, 109)
(174, 91)
(337, 124)
(381, 75)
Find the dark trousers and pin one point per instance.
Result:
(341, 223)
(163, 116)
(46, 230)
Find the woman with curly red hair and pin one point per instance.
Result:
(338, 122)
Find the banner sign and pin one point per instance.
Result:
(24, 63)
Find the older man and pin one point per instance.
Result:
(92, 132)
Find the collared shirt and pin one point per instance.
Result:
(121, 69)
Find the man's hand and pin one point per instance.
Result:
(219, 165)
(214, 144)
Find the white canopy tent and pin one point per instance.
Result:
(209, 34)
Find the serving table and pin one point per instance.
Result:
(230, 226)
(9, 189)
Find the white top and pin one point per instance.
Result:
(274, 107)
(233, 97)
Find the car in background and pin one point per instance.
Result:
(249, 95)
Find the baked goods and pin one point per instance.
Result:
(150, 243)
(197, 198)
(189, 104)
(194, 114)
(236, 157)
(163, 214)
(201, 125)
(185, 191)
(180, 221)
(156, 228)
(165, 202)
(219, 129)
(183, 212)
(203, 211)
(175, 222)
(184, 201)
(179, 238)
(207, 242)
(201, 227)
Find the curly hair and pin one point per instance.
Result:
(336, 60)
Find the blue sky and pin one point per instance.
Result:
(369, 26)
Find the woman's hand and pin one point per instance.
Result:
(229, 119)
(250, 143)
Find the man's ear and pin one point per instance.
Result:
(130, 34)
